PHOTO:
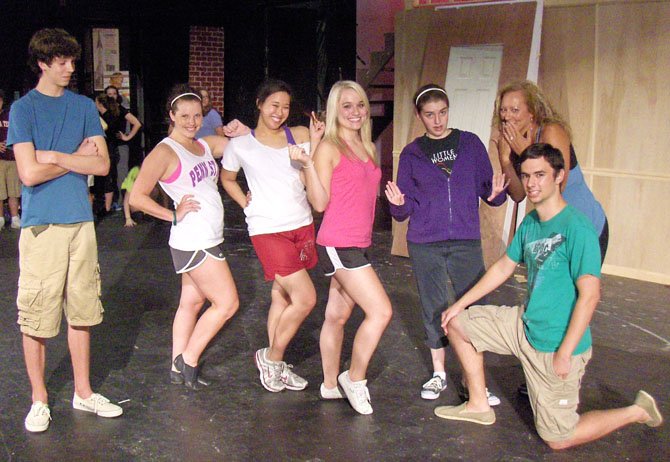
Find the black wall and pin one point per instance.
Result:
(274, 37)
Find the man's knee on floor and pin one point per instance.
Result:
(558, 445)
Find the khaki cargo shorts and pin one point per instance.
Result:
(58, 272)
(499, 329)
(10, 184)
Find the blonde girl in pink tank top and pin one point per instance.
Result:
(342, 180)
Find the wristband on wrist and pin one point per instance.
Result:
(174, 218)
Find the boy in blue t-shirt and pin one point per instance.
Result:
(551, 335)
(57, 141)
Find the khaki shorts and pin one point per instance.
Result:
(58, 271)
(10, 185)
(499, 329)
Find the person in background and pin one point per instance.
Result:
(116, 82)
(10, 184)
(211, 120)
(123, 147)
(116, 117)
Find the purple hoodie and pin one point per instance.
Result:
(444, 208)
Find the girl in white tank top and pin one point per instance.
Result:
(186, 169)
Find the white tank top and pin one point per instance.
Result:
(197, 175)
(278, 198)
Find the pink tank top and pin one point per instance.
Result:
(347, 221)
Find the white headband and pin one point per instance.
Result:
(185, 94)
(426, 91)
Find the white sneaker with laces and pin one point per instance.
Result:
(493, 399)
(433, 388)
(38, 418)
(97, 404)
(16, 222)
(270, 371)
(330, 393)
(357, 393)
(292, 380)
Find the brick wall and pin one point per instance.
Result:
(205, 66)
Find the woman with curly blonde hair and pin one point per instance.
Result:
(524, 116)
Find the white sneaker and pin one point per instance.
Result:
(357, 393)
(292, 380)
(97, 404)
(2, 222)
(270, 371)
(493, 399)
(38, 418)
(433, 388)
(16, 222)
(330, 393)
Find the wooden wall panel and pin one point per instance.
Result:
(638, 230)
(423, 41)
(604, 66)
(567, 70)
(632, 100)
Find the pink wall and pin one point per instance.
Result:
(373, 19)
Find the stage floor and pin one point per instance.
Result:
(236, 419)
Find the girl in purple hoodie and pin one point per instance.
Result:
(441, 177)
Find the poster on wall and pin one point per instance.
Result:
(105, 55)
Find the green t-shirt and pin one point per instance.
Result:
(556, 252)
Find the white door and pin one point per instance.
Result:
(472, 84)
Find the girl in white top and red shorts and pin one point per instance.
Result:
(279, 220)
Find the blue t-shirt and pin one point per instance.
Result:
(209, 124)
(557, 252)
(54, 124)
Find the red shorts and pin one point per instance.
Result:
(287, 252)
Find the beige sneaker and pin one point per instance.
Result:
(38, 418)
(97, 404)
(460, 412)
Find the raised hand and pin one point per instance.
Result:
(393, 194)
(298, 154)
(517, 142)
(316, 128)
(235, 128)
(498, 185)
